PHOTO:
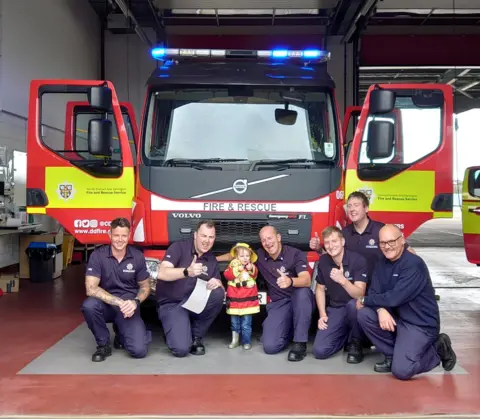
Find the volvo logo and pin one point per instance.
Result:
(186, 215)
(240, 186)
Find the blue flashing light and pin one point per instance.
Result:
(312, 53)
(280, 53)
(158, 53)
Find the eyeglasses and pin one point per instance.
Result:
(390, 243)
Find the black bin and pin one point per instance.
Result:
(41, 257)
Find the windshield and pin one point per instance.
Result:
(215, 123)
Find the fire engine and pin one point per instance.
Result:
(245, 138)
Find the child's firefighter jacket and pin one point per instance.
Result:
(242, 291)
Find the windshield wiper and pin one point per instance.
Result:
(288, 162)
(194, 164)
(213, 160)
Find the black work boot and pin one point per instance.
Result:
(198, 348)
(117, 344)
(355, 352)
(298, 351)
(102, 353)
(443, 345)
(385, 366)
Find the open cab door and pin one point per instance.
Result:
(402, 154)
(82, 181)
(471, 214)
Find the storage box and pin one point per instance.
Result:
(9, 283)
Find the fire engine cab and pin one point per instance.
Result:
(245, 138)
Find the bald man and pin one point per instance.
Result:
(400, 314)
(289, 313)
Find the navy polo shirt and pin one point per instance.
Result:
(404, 287)
(291, 261)
(180, 254)
(365, 243)
(355, 269)
(118, 278)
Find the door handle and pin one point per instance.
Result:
(475, 210)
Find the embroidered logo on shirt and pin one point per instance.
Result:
(371, 244)
(129, 268)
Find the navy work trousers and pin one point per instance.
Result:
(342, 328)
(411, 348)
(243, 326)
(181, 325)
(286, 319)
(131, 331)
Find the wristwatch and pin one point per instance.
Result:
(185, 272)
(137, 301)
(362, 299)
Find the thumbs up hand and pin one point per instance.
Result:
(338, 276)
(195, 269)
(283, 281)
(315, 243)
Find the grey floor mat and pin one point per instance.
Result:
(72, 355)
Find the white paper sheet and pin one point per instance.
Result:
(198, 298)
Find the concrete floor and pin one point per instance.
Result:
(35, 321)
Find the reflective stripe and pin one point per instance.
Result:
(34, 210)
(250, 282)
(240, 311)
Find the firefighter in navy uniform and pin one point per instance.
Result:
(344, 273)
(400, 313)
(117, 282)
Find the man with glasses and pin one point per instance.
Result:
(400, 314)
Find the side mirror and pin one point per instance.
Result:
(100, 98)
(285, 116)
(100, 137)
(380, 139)
(381, 101)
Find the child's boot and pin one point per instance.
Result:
(247, 346)
(235, 340)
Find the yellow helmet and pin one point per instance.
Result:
(253, 257)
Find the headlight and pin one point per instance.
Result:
(152, 268)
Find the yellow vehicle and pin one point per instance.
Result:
(471, 214)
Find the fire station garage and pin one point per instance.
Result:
(137, 280)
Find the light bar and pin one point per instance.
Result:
(310, 54)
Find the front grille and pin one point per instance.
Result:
(228, 231)
(231, 231)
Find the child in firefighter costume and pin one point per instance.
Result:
(242, 294)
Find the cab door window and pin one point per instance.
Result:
(80, 135)
(418, 133)
(56, 126)
(474, 183)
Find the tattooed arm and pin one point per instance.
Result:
(93, 290)
(144, 290)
